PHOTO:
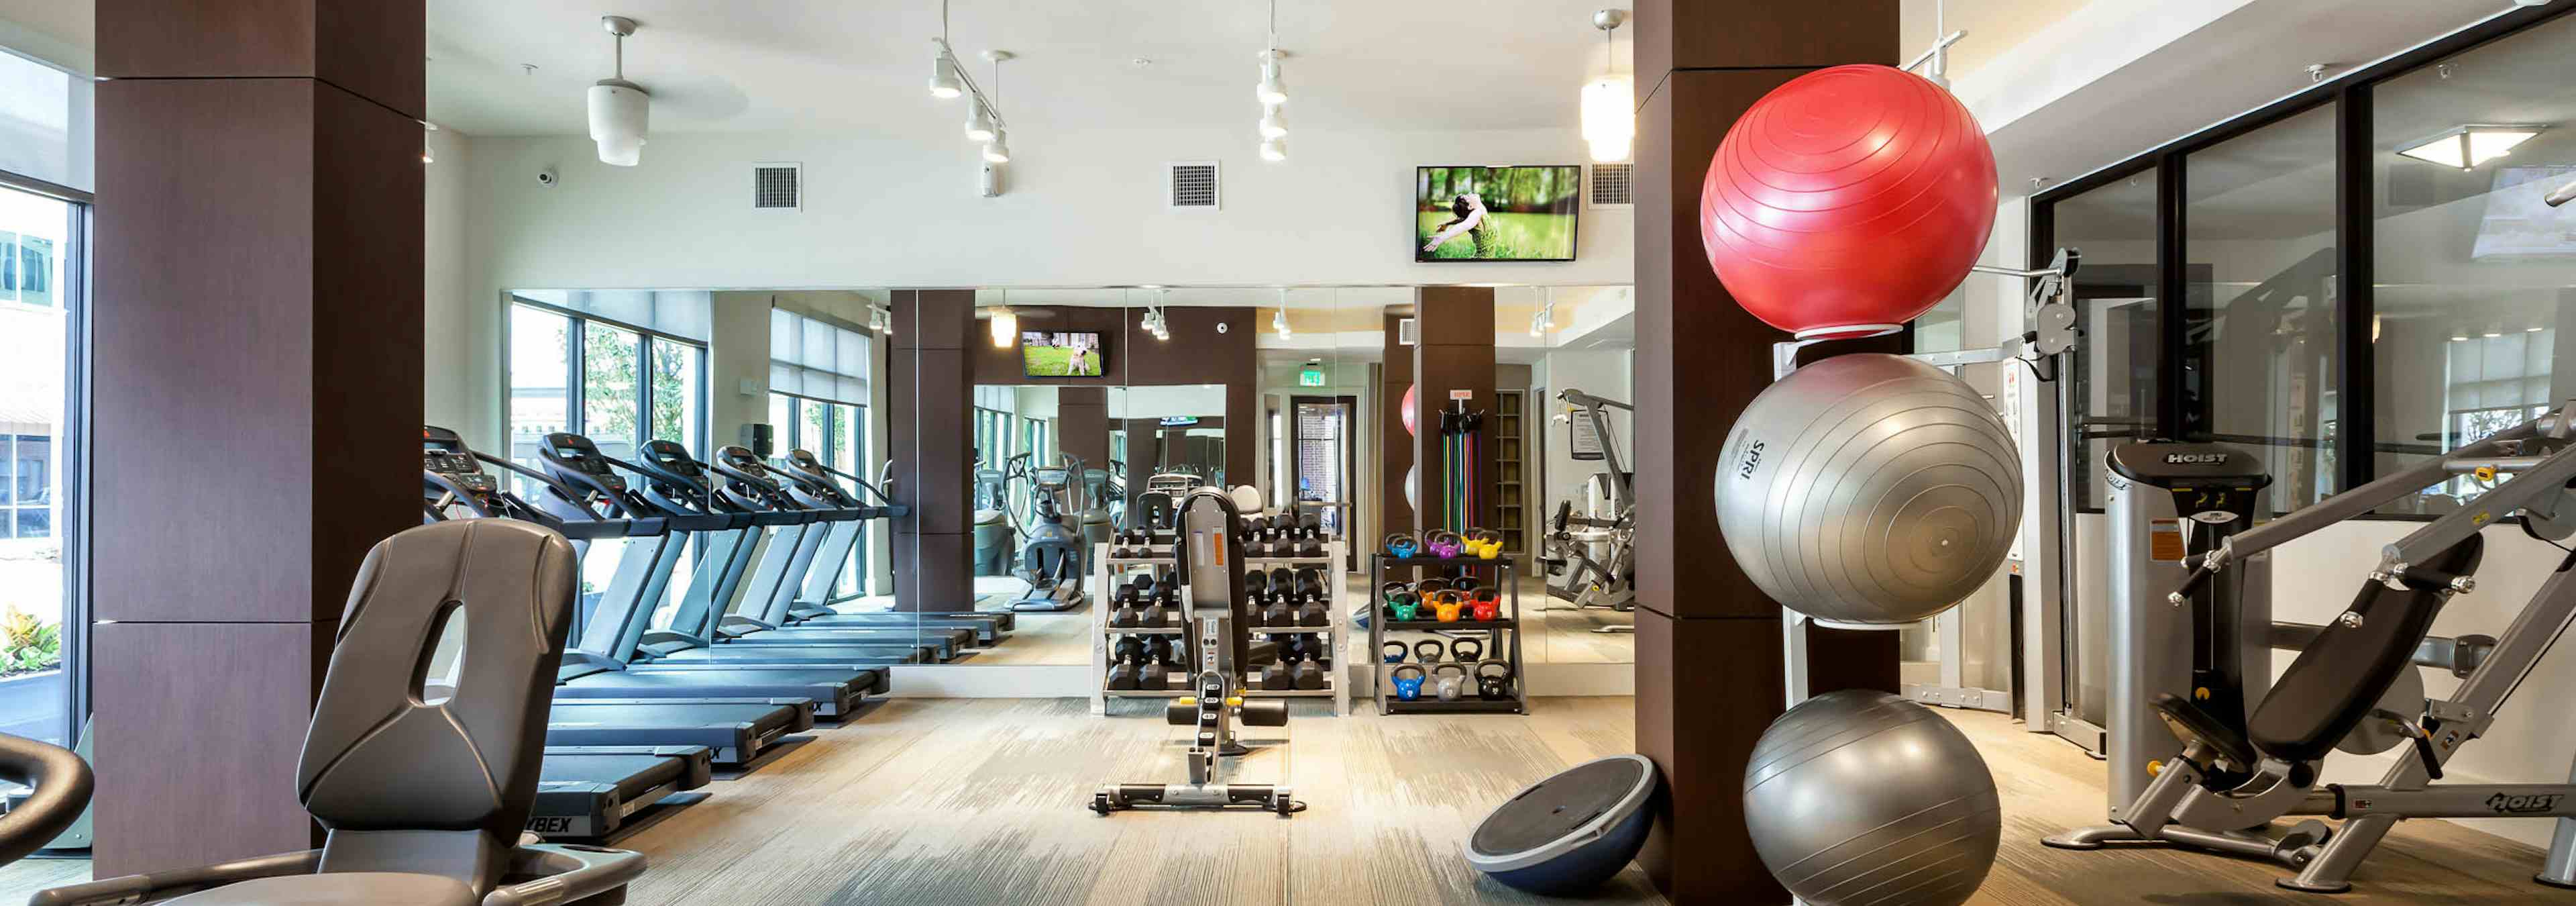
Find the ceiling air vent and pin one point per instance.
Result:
(1194, 185)
(777, 187)
(1610, 185)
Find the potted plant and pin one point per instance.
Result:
(31, 674)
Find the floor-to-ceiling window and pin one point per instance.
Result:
(39, 610)
(818, 377)
(618, 383)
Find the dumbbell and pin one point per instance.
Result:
(1279, 613)
(1125, 616)
(1313, 613)
(1129, 651)
(1275, 677)
(1159, 648)
(1310, 581)
(1310, 675)
(1256, 585)
(1153, 615)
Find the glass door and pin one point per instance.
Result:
(1321, 463)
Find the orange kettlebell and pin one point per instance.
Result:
(1445, 607)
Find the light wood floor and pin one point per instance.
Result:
(981, 801)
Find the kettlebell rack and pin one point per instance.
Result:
(1501, 638)
(1109, 572)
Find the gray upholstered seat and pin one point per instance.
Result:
(423, 794)
(379, 888)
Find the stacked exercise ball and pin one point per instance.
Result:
(1848, 201)
(1864, 797)
(1869, 491)
(1863, 490)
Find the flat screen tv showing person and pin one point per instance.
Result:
(1496, 213)
(1061, 354)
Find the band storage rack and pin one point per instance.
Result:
(1495, 633)
(1108, 571)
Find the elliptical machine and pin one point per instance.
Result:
(1210, 567)
(1055, 554)
(1608, 525)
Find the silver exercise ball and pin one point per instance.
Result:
(1869, 491)
(1860, 796)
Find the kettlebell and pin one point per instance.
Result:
(1402, 607)
(1467, 651)
(1491, 686)
(1445, 607)
(1486, 543)
(1444, 544)
(1447, 685)
(1407, 688)
(1393, 651)
(1402, 545)
(1428, 651)
(1489, 604)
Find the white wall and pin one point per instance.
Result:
(1600, 373)
(1080, 209)
(447, 277)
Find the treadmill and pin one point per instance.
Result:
(767, 605)
(672, 484)
(735, 730)
(750, 484)
(586, 485)
(815, 485)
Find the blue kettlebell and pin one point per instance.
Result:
(1402, 545)
(1408, 688)
(1394, 652)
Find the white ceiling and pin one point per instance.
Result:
(859, 67)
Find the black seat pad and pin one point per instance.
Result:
(2342, 673)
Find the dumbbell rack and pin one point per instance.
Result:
(1496, 633)
(1109, 570)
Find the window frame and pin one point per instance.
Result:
(574, 406)
(2354, 441)
(72, 526)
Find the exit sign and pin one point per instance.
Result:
(1311, 377)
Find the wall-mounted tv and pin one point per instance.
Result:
(1496, 213)
(1062, 354)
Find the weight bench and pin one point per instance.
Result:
(2228, 784)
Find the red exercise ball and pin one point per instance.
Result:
(1848, 201)
(1405, 411)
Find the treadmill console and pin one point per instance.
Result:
(576, 454)
(669, 456)
(1051, 478)
(443, 453)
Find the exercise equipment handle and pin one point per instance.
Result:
(61, 782)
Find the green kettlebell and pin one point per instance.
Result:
(1402, 605)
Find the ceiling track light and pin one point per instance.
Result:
(620, 111)
(1272, 91)
(945, 80)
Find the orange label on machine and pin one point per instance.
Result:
(2165, 540)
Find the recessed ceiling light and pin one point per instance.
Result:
(2464, 147)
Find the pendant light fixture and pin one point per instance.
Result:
(1272, 92)
(1609, 101)
(619, 110)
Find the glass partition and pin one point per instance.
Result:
(2472, 271)
(2262, 356)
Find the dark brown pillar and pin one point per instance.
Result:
(1709, 662)
(1453, 353)
(1395, 375)
(259, 200)
(1082, 424)
(932, 435)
